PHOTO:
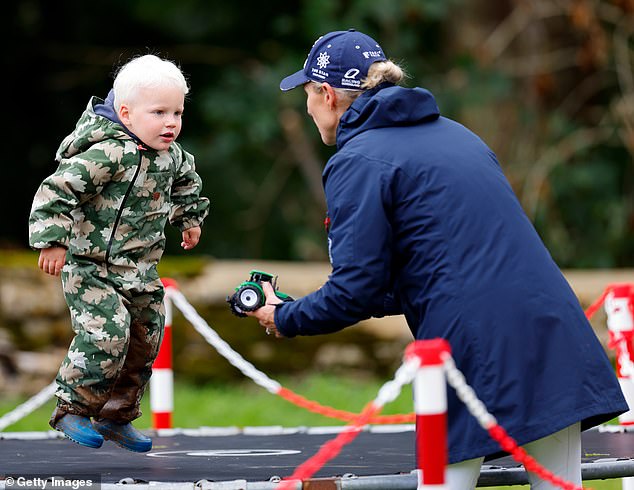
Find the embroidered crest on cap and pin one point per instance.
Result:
(323, 60)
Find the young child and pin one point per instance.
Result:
(99, 221)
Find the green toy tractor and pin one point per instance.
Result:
(249, 295)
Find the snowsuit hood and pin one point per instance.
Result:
(91, 128)
(107, 110)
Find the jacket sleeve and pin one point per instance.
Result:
(391, 306)
(76, 180)
(189, 208)
(360, 246)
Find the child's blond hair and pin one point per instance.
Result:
(148, 71)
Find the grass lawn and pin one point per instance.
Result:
(245, 404)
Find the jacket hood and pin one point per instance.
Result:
(386, 105)
(98, 122)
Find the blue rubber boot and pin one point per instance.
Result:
(124, 435)
(79, 429)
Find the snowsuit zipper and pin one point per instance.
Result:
(122, 207)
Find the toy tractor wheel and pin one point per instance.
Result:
(249, 298)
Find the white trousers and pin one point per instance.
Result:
(560, 453)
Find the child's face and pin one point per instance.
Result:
(154, 115)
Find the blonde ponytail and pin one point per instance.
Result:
(383, 71)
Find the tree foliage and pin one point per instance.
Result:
(548, 84)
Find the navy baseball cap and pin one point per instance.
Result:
(341, 58)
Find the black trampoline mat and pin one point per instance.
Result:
(262, 454)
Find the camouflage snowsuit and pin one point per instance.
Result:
(108, 203)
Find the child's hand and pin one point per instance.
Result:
(52, 260)
(191, 237)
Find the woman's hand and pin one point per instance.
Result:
(266, 314)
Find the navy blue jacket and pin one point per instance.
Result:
(424, 222)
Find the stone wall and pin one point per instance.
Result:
(35, 331)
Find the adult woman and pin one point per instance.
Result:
(423, 222)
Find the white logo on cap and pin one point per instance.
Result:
(351, 73)
(323, 60)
